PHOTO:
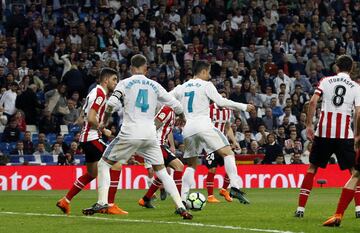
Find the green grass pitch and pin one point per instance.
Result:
(271, 210)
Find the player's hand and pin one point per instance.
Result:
(310, 133)
(106, 132)
(235, 146)
(250, 108)
(172, 149)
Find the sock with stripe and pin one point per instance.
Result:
(210, 183)
(153, 188)
(114, 182)
(78, 185)
(187, 181)
(231, 170)
(170, 187)
(103, 181)
(305, 190)
(226, 182)
(357, 197)
(346, 196)
(178, 180)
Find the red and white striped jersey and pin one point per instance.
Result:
(339, 96)
(220, 116)
(166, 116)
(96, 100)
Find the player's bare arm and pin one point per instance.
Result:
(309, 124)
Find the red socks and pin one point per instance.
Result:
(79, 184)
(305, 189)
(153, 188)
(346, 196)
(210, 183)
(178, 180)
(114, 182)
(226, 182)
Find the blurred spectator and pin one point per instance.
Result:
(11, 132)
(42, 139)
(19, 150)
(280, 160)
(306, 154)
(20, 119)
(73, 114)
(8, 99)
(58, 156)
(3, 119)
(245, 144)
(254, 121)
(29, 104)
(272, 150)
(39, 153)
(28, 145)
(296, 158)
(60, 140)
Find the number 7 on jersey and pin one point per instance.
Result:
(191, 95)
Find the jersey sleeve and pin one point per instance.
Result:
(176, 92)
(319, 89)
(214, 95)
(357, 96)
(117, 96)
(169, 100)
(163, 114)
(99, 100)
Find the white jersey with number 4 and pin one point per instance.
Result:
(339, 95)
(140, 98)
(195, 96)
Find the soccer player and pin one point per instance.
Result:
(220, 117)
(139, 96)
(93, 111)
(164, 122)
(199, 132)
(334, 134)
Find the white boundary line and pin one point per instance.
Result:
(151, 221)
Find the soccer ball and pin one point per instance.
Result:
(196, 201)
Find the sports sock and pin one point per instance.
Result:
(305, 190)
(170, 187)
(178, 180)
(357, 197)
(114, 182)
(187, 181)
(153, 188)
(78, 185)
(346, 196)
(103, 181)
(231, 170)
(210, 183)
(149, 181)
(226, 182)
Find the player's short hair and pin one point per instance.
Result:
(107, 72)
(344, 63)
(138, 61)
(199, 66)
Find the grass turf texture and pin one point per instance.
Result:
(270, 209)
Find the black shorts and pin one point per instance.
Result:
(93, 150)
(213, 160)
(167, 155)
(323, 148)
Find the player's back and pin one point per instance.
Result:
(96, 100)
(195, 102)
(339, 93)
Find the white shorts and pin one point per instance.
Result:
(121, 150)
(210, 140)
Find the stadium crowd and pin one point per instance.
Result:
(268, 53)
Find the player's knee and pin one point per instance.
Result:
(225, 151)
(116, 167)
(158, 167)
(177, 165)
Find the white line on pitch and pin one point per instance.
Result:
(151, 221)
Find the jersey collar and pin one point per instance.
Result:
(343, 74)
(105, 92)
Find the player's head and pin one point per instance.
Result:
(344, 63)
(108, 78)
(138, 64)
(202, 70)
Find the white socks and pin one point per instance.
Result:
(187, 181)
(231, 170)
(103, 181)
(149, 181)
(170, 186)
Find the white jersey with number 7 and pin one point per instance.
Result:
(195, 96)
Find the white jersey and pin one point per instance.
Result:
(140, 98)
(195, 96)
(339, 95)
(96, 100)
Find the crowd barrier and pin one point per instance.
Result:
(134, 177)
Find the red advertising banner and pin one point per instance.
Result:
(134, 177)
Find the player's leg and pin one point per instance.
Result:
(210, 185)
(115, 172)
(92, 155)
(346, 197)
(320, 154)
(150, 178)
(223, 191)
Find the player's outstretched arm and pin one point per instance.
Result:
(169, 100)
(310, 115)
(214, 95)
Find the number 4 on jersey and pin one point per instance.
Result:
(142, 100)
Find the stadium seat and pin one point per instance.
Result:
(48, 159)
(29, 158)
(68, 138)
(74, 129)
(14, 159)
(79, 159)
(22, 134)
(51, 138)
(5, 147)
(31, 128)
